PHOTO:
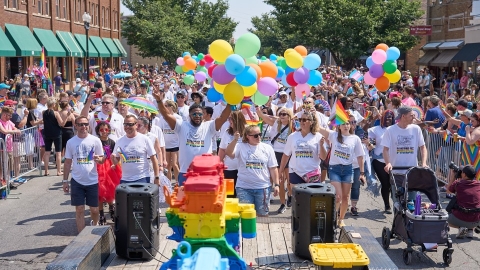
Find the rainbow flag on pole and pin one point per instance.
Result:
(341, 116)
(90, 155)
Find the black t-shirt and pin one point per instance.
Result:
(31, 117)
(108, 147)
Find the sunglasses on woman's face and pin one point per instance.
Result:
(283, 114)
(255, 135)
(104, 130)
(303, 120)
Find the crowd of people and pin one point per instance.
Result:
(102, 141)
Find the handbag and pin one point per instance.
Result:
(312, 176)
(278, 135)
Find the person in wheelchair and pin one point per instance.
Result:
(465, 213)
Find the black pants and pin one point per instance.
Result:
(231, 174)
(384, 178)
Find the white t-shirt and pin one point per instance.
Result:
(279, 143)
(116, 123)
(253, 165)
(39, 113)
(169, 136)
(403, 145)
(304, 152)
(183, 112)
(157, 131)
(81, 152)
(134, 153)
(232, 164)
(376, 133)
(344, 153)
(266, 134)
(193, 141)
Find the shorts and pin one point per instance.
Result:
(83, 195)
(279, 156)
(341, 173)
(258, 197)
(170, 150)
(57, 141)
(141, 180)
(295, 179)
(453, 220)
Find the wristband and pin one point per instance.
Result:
(64, 181)
(277, 185)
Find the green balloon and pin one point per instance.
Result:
(200, 68)
(189, 79)
(264, 58)
(389, 66)
(247, 45)
(251, 60)
(282, 63)
(259, 99)
(178, 69)
(200, 56)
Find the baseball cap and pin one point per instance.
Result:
(78, 80)
(76, 94)
(281, 93)
(466, 112)
(144, 85)
(469, 171)
(182, 93)
(4, 86)
(9, 102)
(59, 73)
(462, 102)
(403, 110)
(69, 93)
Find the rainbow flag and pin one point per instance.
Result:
(90, 155)
(42, 59)
(367, 114)
(341, 116)
(446, 136)
(122, 154)
(174, 80)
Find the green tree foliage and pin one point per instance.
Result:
(274, 39)
(167, 28)
(349, 28)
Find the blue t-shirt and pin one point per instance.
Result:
(461, 131)
(435, 113)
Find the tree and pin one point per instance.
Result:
(270, 32)
(349, 28)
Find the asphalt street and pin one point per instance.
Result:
(38, 225)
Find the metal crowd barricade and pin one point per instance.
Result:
(441, 152)
(5, 180)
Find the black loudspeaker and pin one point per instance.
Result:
(137, 223)
(313, 216)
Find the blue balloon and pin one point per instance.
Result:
(288, 70)
(247, 77)
(393, 53)
(312, 61)
(190, 72)
(185, 53)
(273, 57)
(234, 64)
(315, 78)
(284, 81)
(195, 58)
(370, 62)
(213, 95)
(280, 73)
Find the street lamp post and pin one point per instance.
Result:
(86, 23)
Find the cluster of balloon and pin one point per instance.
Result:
(382, 66)
(299, 69)
(188, 64)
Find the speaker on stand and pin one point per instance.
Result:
(137, 222)
(313, 216)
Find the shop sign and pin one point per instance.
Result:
(420, 30)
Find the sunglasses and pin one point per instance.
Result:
(106, 103)
(197, 114)
(307, 102)
(104, 130)
(129, 124)
(283, 114)
(255, 135)
(303, 120)
(82, 125)
(182, 97)
(352, 122)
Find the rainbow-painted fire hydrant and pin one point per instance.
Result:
(201, 214)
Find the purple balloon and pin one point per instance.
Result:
(200, 76)
(267, 86)
(301, 75)
(221, 76)
(376, 71)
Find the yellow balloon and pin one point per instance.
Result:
(233, 93)
(185, 69)
(220, 50)
(288, 51)
(294, 59)
(394, 77)
(219, 87)
(250, 90)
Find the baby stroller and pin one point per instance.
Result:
(430, 228)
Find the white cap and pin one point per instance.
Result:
(282, 93)
(59, 73)
(78, 80)
(25, 75)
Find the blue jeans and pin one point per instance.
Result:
(141, 180)
(258, 197)
(341, 173)
(181, 179)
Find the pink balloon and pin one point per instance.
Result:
(379, 56)
(200, 76)
(267, 86)
(369, 79)
(180, 61)
(301, 89)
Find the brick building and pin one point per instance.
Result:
(57, 25)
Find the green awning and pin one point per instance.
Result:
(82, 41)
(70, 44)
(120, 47)
(23, 40)
(47, 39)
(6, 47)
(112, 48)
(100, 46)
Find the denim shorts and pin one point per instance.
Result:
(341, 173)
(141, 180)
(83, 195)
(258, 197)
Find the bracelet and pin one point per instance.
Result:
(64, 181)
(277, 185)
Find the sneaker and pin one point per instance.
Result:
(341, 223)
(102, 221)
(462, 231)
(388, 210)
(91, 223)
(289, 201)
(281, 209)
(354, 211)
(470, 233)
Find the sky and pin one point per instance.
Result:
(240, 11)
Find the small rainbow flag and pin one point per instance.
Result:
(90, 155)
(2, 100)
(341, 116)
(174, 80)
(367, 114)
(122, 154)
(442, 106)
(446, 136)
(258, 123)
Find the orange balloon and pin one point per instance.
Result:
(268, 69)
(301, 50)
(382, 46)
(190, 63)
(257, 69)
(187, 57)
(382, 84)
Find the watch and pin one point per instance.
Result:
(362, 173)
(64, 181)
(277, 185)
(157, 177)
